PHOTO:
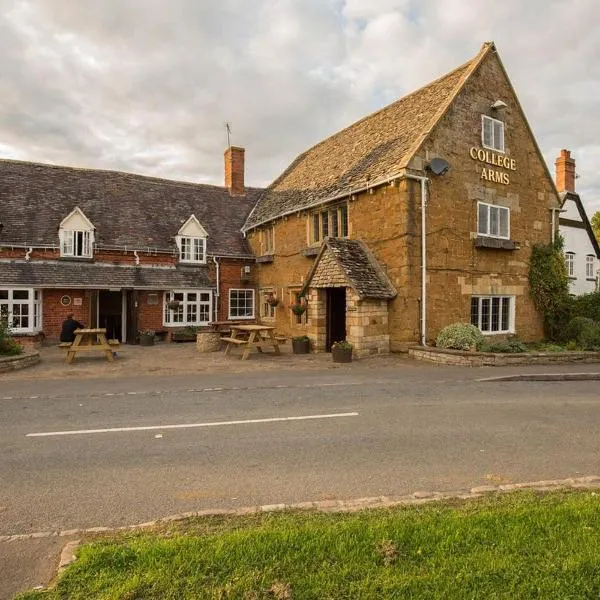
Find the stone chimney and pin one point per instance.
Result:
(565, 172)
(234, 170)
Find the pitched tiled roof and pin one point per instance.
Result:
(364, 154)
(126, 210)
(57, 274)
(364, 273)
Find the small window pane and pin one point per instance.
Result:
(316, 228)
(482, 219)
(334, 223)
(344, 221)
(487, 132)
(503, 231)
(3, 294)
(21, 295)
(505, 314)
(324, 224)
(485, 314)
(494, 225)
(475, 312)
(498, 135)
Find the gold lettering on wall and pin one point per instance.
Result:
(497, 160)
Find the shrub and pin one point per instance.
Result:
(460, 336)
(504, 346)
(572, 332)
(8, 346)
(343, 345)
(589, 338)
(301, 338)
(587, 305)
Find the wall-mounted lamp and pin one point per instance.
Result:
(499, 105)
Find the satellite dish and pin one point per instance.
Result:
(438, 166)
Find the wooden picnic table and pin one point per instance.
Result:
(251, 336)
(89, 340)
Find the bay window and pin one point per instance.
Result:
(21, 309)
(189, 307)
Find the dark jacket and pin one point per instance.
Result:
(69, 326)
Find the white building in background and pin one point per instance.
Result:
(582, 253)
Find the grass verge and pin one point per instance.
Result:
(521, 545)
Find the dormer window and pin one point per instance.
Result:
(76, 236)
(492, 133)
(192, 249)
(191, 242)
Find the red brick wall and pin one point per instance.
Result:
(54, 313)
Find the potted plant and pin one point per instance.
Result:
(301, 344)
(146, 337)
(341, 351)
(173, 304)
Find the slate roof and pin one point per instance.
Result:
(364, 273)
(564, 196)
(60, 274)
(366, 153)
(126, 209)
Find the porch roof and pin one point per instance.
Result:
(46, 274)
(364, 273)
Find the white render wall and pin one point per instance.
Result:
(578, 241)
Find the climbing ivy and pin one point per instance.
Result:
(549, 286)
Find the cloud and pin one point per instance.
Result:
(147, 85)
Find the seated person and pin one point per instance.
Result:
(69, 326)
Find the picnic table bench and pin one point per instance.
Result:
(89, 340)
(257, 337)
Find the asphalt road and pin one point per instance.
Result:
(254, 439)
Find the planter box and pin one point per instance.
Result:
(147, 340)
(300, 346)
(183, 336)
(341, 355)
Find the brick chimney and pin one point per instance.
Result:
(565, 172)
(234, 170)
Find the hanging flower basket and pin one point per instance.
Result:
(272, 300)
(298, 308)
(173, 304)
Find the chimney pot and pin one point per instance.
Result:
(565, 172)
(234, 170)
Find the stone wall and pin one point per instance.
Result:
(22, 361)
(488, 359)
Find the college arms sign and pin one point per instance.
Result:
(497, 160)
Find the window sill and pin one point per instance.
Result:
(590, 279)
(310, 251)
(495, 243)
(191, 263)
(79, 259)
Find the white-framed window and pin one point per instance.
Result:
(187, 307)
(332, 222)
(241, 304)
(192, 249)
(493, 221)
(267, 307)
(493, 314)
(76, 243)
(590, 261)
(268, 240)
(570, 263)
(492, 133)
(21, 308)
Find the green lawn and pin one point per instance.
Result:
(517, 546)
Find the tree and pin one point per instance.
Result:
(596, 224)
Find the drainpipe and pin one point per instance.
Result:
(217, 293)
(423, 181)
(137, 258)
(28, 254)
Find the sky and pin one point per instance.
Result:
(147, 86)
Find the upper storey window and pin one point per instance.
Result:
(493, 221)
(332, 222)
(492, 133)
(191, 242)
(76, 235)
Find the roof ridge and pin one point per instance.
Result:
(151, 178)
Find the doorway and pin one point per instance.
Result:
(110, 313)
(336, 316)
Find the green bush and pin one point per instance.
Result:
(460, 336)
(587, 305)
(575, 327)
(589, 338)
(8, 346)
(504, 346)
